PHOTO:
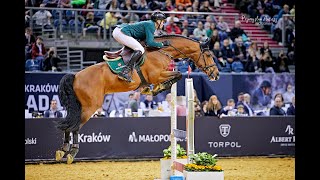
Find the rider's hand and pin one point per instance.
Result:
(166, 43)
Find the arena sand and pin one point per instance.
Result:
(244, 168)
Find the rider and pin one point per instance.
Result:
(129, 34)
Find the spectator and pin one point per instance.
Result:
(282, 63)
(90, 25)
(277, 108)
(51, 60)
(240, 98)
(148, 104)
(288, 95)
(166, 104)
(126, 5)
(103, 4)
(172, 27)
(210, 29)
(64, 4)
(181, 106)
(240, 50)
(185, 25)
(130, 18)
(267, 61)
(209, 22)
(221, 63)
(171, 16)
(275, 96)
(223, 28)
(236, 31)
(87, 5)
(228, 55)
(288, 25)
(29, 41)
(42, 17)
(142, 6)
(284, 10)
(291, 52)
(53, 112)
(217, 4)
(214, 38)
(114, 5)
(261, 97)
(38, 51)
(200, 33)
(247, 105)
(197, 104)
(204, 106)
(241, 111)
(229, 109)
(183, 3)
(254, 47)
(214, 107)
(253, 63)
(99, 113)
(133, 104)
(292, 109)
(205, 7)
(110, 19)
(50, 3)
(78, 3)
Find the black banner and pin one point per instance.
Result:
(104, 138)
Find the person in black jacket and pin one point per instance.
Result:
(292, 109)
(214, 107)
(277, 108)
(53, 112)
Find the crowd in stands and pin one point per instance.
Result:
(259, 103)
(233, 50)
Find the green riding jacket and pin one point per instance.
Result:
(143, 30)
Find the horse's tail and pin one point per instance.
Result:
(69, 100)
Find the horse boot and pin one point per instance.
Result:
(124, 74)
(74, 148)
(65, 147)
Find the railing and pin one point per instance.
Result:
(77, 16)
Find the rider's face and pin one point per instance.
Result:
(160, 24)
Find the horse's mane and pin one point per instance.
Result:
(175, 36)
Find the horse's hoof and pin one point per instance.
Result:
(69, 159)
(146, 91)
(59, 155)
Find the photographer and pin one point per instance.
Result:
(51, 61)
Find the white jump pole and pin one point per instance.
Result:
(190, 117)
(173, 126)
(189, 134)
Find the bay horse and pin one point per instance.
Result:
(82, 93)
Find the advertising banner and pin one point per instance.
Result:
(108, 138)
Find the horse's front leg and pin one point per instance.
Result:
(167, 78)
(65, 146)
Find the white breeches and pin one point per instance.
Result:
(126, 40)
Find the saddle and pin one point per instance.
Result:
(118, 59)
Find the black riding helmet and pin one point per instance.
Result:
(158, 15)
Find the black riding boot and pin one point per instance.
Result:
(125, 73)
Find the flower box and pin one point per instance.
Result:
(210, 175)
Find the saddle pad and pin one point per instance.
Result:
(115, 64)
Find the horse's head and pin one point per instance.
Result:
(206, 63)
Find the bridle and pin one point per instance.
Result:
(188, 59)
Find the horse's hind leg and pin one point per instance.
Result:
(65, 146)
(74, 148)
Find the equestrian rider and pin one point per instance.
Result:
(129, 34)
